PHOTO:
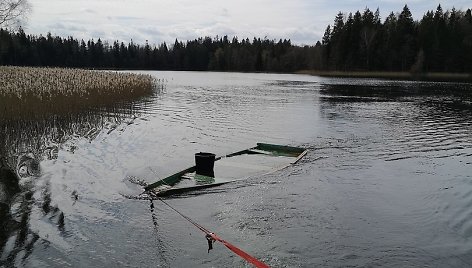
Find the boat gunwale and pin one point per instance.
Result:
(174, 178)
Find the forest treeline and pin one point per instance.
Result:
(440, 42)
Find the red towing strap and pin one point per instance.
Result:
(241, 253)
(230, 246)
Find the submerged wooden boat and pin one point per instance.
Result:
(259, 160)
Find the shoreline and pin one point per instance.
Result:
(430, 77)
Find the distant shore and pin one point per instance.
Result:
(436, 77)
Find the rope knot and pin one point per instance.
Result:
(210, 240)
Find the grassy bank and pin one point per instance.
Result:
(439, 77)
(30, 92)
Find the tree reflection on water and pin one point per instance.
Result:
(24, 143)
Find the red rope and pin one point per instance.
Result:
(230, 246)
(239, 252)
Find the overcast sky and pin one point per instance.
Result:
(302, 21)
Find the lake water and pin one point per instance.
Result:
(387, 181)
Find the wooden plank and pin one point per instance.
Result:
(170, 180)
(300, 157)
(279, 148)
(174, 191)
(261, 148)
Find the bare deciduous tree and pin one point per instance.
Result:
(12, 12)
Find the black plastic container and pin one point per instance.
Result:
(204, 164)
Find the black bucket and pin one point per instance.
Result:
(204, 163)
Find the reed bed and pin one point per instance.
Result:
(31, 91)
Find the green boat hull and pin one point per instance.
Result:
(259, 160)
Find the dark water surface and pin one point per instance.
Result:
(387, 181)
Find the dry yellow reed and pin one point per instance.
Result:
(46, 83)
(31, 91)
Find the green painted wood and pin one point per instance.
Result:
(261, 148)
(245, 151)
(171, 180)
(175, 191)
(279, 148)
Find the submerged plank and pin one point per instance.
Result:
(263, 159)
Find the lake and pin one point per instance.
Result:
(387, 181)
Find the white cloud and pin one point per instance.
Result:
(302, 21)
